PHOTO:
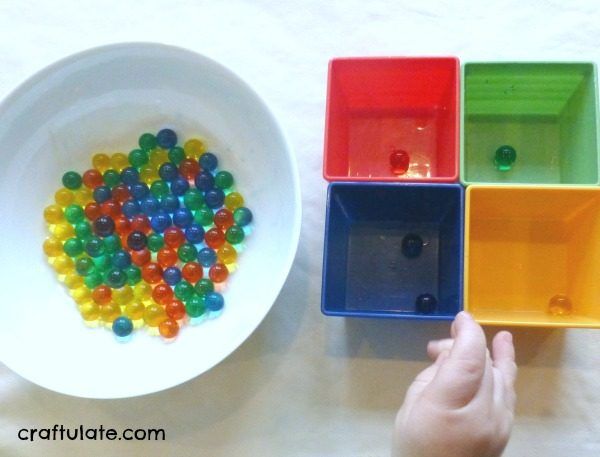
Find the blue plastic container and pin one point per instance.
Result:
(372, 266)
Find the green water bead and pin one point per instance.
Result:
(115, 278)
(84, 266)
(155, 242)
(112, 244)
(193, 199)
(134, 274)
(234, 234)
(204, 286)
(204, 216)
(505, 157)
(93, 280)
(74, 214)
(138, 157)
(223, 180)
(72, 180)
(83, 230)
(111, 178)
(103, 262)
(94, 247)
(187, 252)
(147, 141)
(195, 306)
(176, 154)
(73, 247)
(159, 188)
(183, 290)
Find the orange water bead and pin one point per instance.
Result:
(223, 219)
(189, 168)
(152, 273)
(140, 223)
(92, 179)
(175, 309)
(102, 295)
(110, 208)
(122, 225)
(92, 211)
(214, 238)
(192, 272)
(169, 328)
(218, 273)
(166, 257)
(162, 294)
(173, 237)
(141, 257)
(121, 193)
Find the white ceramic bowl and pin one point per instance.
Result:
(102, 99)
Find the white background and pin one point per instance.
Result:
(303, 384)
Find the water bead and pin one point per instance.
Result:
(227, 254)
(242, 216)
(426, 304)
(142, 292)
(92, 178)
(81, 295)
(150, 205)
(63, 231)
(110, 208)
(140, 223)
(123, 296)
(166, 257)
(193, 199)
(137, 241)
(192, 272)
(223, 180)
(157, 157)
(204, 216)
(505, 157)
(109, 312)
(122, 326)
(72, 180)
(147, 141)
(73, 280)
(169, 203)
(134, 274)
(102, 194)
(412, 245)
(208, 161)
(73, 247)
(102, 264)
(111, 178)
(84, 266)
(166, 138)
(64, 197)
(130, 208)
(116, 278)
(207, 257)
(214, 198)
(104, 226)
(175, 309)
(399, 161)
(89, 311)
(194, 148)
(189, 168)
(92, 210)
(112, 244)
(122, 225)
(135, 311)
(194, 233)
(74, 214)
(82, 196)
(223, 219)
(234, 200)
(152, 273)
(218, 273)
(162, 294)
(195, 306)
(168, 171)
(168, 328)
(204, 286)
(148, 174)
(52, 247)
(139, 190)
(187, 252)
(172, 275)
(214, 301)
(53, 214)
(183, 290)
(94, 246)
(204, 181)
(121, 259)
(560, 305)
(102, 295)
(159, 188)
(182, 217)
(179, 186)
(138, 157)
(160, 221)
(141, 257)
(234, 234)
(176, 155)
(154, 314)
(130, 175)
(155, 242)
(92, 280)
(101, 162)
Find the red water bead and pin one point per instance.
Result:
(92, 211)
(162, 294)
(92, 179)
(152, 273)
(121, 193)
(218, 272)
(223, 219)
(189, 168)
(175, 309)
(122, 225)
(110, 208)
(192, 272)
(139, 258)
(166, 257)
(168, 328)
(173, 237)
(102, 295)
(214, 238)
(399, 161)
(140, 223)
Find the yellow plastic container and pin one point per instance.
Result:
(528, 249)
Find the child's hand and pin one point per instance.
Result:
(463, 404)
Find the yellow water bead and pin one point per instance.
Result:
(101, 162)
(64, 197)
(194, 148)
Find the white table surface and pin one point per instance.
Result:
(303, 384)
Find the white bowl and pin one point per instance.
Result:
(102, 99)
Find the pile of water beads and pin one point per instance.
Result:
(149, 238)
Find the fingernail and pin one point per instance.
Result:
(508, 337)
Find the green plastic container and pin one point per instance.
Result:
(546, 112)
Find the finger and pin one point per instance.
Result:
(503, 352)
(459, 377)
(436, 347)
(422, 380)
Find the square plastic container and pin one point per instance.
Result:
(372, 269)
(546, 112)
(377, 107)
(526, 247)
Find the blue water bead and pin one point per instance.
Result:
(160, 221)
(194, 233)
(207, 257)
(130, 175)
(412, 245)
(208, 161)
(426, 304)
(214, 198)
(170, 203)
(172, 275)
(204, 181)
(168, 171)
(150, 205)
(122, 326)
(214, 301)
(166, 138)
(139, 190)
(102, 193)
(182, 217)
(242, 216)
(130, 208)
(179, 186)
(121, 259)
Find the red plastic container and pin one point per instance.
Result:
(383, 113)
